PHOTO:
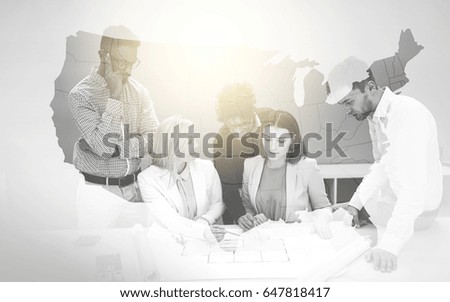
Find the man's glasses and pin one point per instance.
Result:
(122, 64)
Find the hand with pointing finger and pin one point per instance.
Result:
(218, 231)
(355, 214)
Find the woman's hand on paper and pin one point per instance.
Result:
(260, 219)
(246, 222)
(218, 231)
(214, 233)
(321, 221)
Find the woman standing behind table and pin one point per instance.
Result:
(283, 181)
(183, 192)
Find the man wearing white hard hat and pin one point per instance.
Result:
(403, 189)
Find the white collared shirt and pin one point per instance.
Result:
(98, 117)
(187, 193)
(406, 176)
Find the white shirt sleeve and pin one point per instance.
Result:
(403, 168)
(214, 191)
(405, 164)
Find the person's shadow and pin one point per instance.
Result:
(81, 57)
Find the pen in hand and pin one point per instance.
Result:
(231, 233)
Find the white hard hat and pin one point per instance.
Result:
(120, 32)
(342, 77)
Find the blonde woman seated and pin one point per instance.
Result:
(283, 181)
(183, 192)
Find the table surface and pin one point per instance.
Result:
(425, 257)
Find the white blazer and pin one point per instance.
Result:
(159, 189)
(305, 188)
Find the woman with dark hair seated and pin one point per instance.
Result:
(282, 182)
